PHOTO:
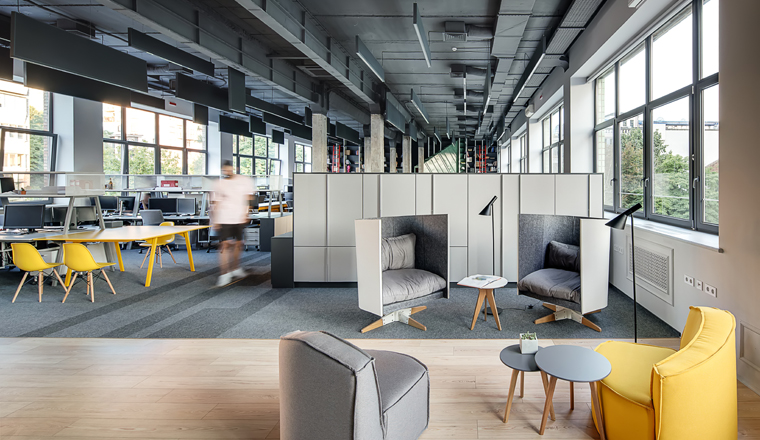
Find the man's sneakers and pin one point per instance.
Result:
(239, 273)
(224, 279)
(229, 277)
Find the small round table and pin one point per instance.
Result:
(573, 364)
(520, 363)
(485, 293)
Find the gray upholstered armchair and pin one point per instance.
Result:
(333, 390)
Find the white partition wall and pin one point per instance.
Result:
(328, 204)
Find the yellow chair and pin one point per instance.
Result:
(162, 242)
(78, 258)
(27, 258)
(663, 394)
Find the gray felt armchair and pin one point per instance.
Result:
(331, 389)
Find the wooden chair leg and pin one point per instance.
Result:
(55, 271)
(160, 259)
(23, 280)
(143, 263)
(102, 271)
(39, 285)
(171, 254)
(92, 286)
(416, 324)
(71, 283)
(374, 325)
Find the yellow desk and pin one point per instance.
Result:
(127, 234)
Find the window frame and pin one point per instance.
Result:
(302, 162)
(694, 92)
(549, 148)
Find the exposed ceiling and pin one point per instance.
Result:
(308, 50)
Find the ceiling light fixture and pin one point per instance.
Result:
(420, 108)
(369, 60)
(421, 35)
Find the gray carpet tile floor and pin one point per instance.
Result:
(184, 304)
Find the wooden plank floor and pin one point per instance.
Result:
(219, 389)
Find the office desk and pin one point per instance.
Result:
(15, 237)
(149, 234)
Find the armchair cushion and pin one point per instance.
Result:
(553, 283)
(398, 252)
(563, 256)
(406, 284)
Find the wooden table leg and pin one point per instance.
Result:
(597, 410)
(572, 396)
(481, 297)
(512, 384)
(151, 260)
(189, 251)
(522, 384)
(118, 256)
(492, 300)
(545, 381)
(548, 404)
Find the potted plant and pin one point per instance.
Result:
(528, 343)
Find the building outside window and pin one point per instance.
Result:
(553, 135)
(656, 139)
(141, 142)
(256, 155)
(303, 158)
(28, 142)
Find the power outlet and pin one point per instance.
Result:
(618, 249)
(688, 280)
(712, 291)
(698, 284)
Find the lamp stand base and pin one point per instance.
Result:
(490, 312)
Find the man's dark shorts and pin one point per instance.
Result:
(232, 232)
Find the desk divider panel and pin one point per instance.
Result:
(510, 217)
(397, 195)
(344, 191)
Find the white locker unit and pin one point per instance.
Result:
(424, 195)
(310, 264)
(571, 195)
(596, 195)
(482, 248)
(510, 218)
(310, 219)
(370, 196)
(397, 195)
(457, 262)
(450, 197)
(344, 195)
(536, 194)
(341, 263)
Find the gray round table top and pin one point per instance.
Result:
(573, 363)
(515, 360)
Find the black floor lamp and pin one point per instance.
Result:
(488, 211)
(619, 223)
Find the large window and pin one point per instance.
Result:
(553, 138)
(656, 139)
(522, 141)
(256, 155)
(303, 158)
(27, 142)
(141, 142)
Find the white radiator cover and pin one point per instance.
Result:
(654, 268)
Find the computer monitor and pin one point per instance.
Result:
(129, 202)
(6, 184)
(186, 206)
(108, 203)
(166, 206)
(23, 217)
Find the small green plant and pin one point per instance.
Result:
(528, 336)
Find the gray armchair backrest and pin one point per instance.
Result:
(152, 217)
(328, 389)
(536, 231)
(431, 250)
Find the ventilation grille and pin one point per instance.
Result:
(654, 268)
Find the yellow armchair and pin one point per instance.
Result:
(663, 394)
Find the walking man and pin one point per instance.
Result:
(229, 216)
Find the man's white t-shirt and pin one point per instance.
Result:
(231, 196)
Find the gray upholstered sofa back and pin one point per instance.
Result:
(431, 252)
(328, 389)
(536, 231)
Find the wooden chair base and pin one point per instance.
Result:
(40, 282)
(90, 284)
(561, 313)
(403, 315)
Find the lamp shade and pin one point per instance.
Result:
(487, 210)
(619, 221)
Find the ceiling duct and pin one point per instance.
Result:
(462, 71)
(459, 93)
(479, 33)
(454, 31)
(78, 27)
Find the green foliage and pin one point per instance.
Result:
(141, 160)
(112, 156)
(37, 148)
(528, 336)
(171, 161)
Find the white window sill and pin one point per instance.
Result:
(696, 238)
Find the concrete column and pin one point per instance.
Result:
(374, 154)
(420, 159)
(318, 143)
(406, 154)
(393, 160)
